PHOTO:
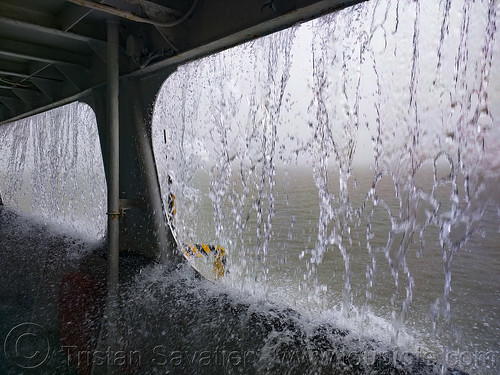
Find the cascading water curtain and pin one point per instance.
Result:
(350, 167)
(51, 167)
(221, 125)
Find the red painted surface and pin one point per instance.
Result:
(81, 307)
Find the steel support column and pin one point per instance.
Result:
(138, 113)
(142, 228)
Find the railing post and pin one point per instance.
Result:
(114, 158)
(108, 326)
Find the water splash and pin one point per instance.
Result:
(240, 159)
(350, 177)
(51, 167)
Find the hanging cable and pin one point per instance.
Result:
(131, 16)
(13, 84)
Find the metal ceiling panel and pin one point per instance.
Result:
(53, 51)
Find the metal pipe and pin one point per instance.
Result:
(114, 179)
(107, 329)
(114, 158)
(131, 16)
(153, 6)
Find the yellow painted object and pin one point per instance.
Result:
(201, 250)
(219, 263)
(171, 206)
